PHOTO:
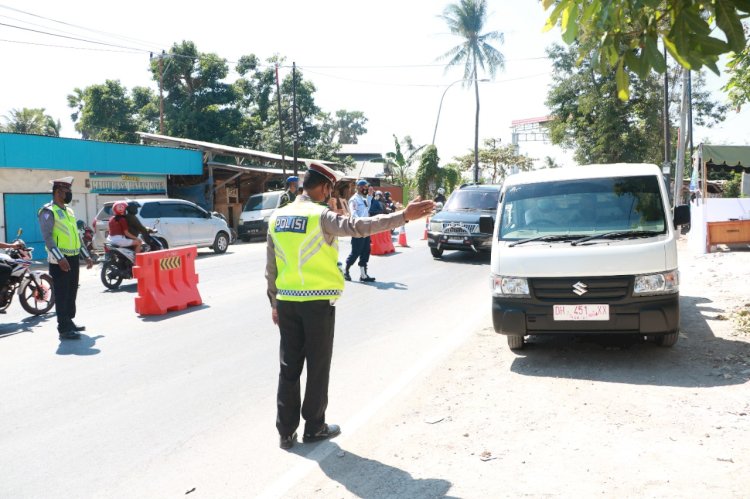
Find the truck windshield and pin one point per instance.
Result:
(584, 207)
(267, 201)
(472, 199)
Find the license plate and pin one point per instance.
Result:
(254, 230)
(581, 312)
(455, 239)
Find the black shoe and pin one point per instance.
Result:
(328, 431)
(69, 335)
(287, 443)
(347, 276)
(76, 327)
(364, 277)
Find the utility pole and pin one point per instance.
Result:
(294, 113)
(679, 169)
(281, 124)
(161, 93)
(667, 139)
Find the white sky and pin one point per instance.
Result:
(340, 45)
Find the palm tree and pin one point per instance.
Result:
(31, 121)
(467, 19)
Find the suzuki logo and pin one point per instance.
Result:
(579, 288)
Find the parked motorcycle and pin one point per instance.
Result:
(34, 288)
(119, 261)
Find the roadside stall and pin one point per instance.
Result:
(716, 220)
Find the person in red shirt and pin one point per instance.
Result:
(119, 231)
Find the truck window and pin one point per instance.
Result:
(584, 207)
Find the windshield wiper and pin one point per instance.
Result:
(618, 234)
(556, 237)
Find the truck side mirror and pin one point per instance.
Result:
(681, 215)
(486, 225)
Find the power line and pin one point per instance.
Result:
(73, 38)
(69, 47)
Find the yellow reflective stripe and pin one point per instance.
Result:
(277, 248)
(306, 258)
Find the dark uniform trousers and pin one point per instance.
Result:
(361, 250)
(66, 289)
(306, 336)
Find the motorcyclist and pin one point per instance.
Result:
(5, 267)
(390, 206)
(440, 198)
(136, 227)
(119, 230)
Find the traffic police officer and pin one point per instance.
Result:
(291, 191)
(63, 241)
(303, 283)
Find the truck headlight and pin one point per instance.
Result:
(661, 283)
(509, 287)
(436, 226)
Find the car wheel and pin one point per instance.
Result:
(221, 243)
(436, 252)
(515, 341)
(667, 340)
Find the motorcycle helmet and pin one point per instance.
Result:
(441, 190)
(119, 208)
(133, 208)
(387, 195)
(378, 193)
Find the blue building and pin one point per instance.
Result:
(103, 171)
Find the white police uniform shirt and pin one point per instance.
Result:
(359, 206)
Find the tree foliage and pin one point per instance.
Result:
(428, 172)
(28, 120)
(738, 86)
(602, 129)
(108, 112)
(496, 161)
(623, 35)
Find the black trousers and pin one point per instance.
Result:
(361, 250)
(5, 271)
(306, 336)
(66, 289)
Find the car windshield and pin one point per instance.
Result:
(583, 208)
(267, 201)
(472, 199)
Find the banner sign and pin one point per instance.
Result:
(128, 184)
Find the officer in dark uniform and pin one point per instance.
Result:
(64, 247)
(304, 281)
(291, 191)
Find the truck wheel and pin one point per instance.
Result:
(437, 253)
(515, 341)
(667, 340)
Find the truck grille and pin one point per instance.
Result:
(460, 228)
(562, 290)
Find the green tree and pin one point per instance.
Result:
(428, 172)
(107, 112)
(549, 162)
(467, 19)
(496, 160)
(347, 126)
(398, 163)
(623, 35)
(28, 120)
(738, 86)
(603, 129)
(198, 104)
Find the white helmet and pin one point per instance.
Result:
(441, 190)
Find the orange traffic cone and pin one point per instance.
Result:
(426, 228)
(402, 237)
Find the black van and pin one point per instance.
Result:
(466, 221)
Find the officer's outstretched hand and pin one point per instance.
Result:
(418, 209)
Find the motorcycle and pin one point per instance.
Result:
(119, 261)
(34, 288)
(87, 239)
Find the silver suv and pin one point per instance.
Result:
(178, 222)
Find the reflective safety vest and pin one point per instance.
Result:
(307, 266)
(65, 232)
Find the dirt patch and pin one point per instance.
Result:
(615, 416)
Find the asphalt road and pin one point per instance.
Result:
(163, 406)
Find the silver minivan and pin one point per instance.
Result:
(178, 222)
(255, 214)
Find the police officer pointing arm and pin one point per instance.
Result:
(63, 241)
(304, 281)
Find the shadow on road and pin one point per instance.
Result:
(370, 479)
(465, 257)
(26, 325)
(169, 315)
(83, 346)
(699, 359)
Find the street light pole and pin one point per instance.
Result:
(440, 107)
